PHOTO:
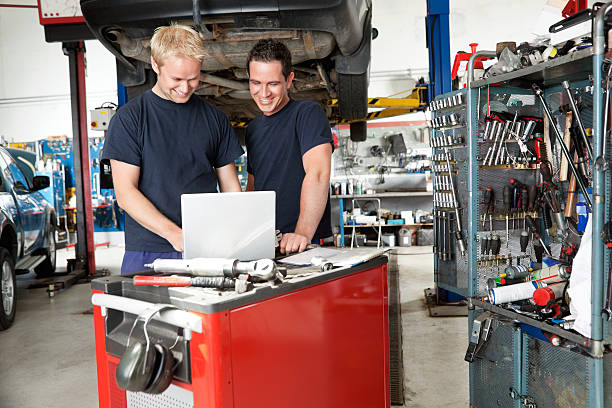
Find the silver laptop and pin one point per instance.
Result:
(229, 225)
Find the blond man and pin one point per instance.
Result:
(164, 143)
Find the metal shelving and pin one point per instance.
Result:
(576, 65)
(523, 360)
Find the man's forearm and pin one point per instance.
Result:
(145, 213)
(313, 201)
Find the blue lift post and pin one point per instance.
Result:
(122, 96)
(438, 44)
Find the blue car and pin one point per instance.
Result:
(27, 227)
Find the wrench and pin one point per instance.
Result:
(607, 312)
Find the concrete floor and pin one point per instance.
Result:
(47, 358)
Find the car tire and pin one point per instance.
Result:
(47, 267)
(359, 131)
(353, 96)
(8, 290)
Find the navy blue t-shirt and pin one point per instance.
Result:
(177, 147)
(275, 146)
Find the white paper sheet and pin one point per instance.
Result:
(338, 256)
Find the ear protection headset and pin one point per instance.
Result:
(146, 367)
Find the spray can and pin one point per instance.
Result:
(513, 293)
(551, 292)
(560, 270)
(516, 271)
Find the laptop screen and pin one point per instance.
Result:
(229, 225)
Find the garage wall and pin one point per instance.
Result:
(34, 83)
(34, 87)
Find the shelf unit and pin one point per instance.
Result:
(520, 364)
(375, 196)
(386, 194)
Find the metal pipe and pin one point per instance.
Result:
(566, 86)
(197, 20)
(458, 231)
(325, 80)
(597, 270)
(597, 261)
(228, 83)
(19, 5)
(540, 94)
(129, 47)
(472, 61)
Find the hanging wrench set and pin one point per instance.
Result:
(450, 157)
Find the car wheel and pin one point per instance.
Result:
(7, 289)
(359, 131)
(353, 96)
(47, 267)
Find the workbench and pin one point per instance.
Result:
(318, 339)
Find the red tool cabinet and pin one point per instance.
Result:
(319, 340)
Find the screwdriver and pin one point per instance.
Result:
(533, 194)
(507, 207)
(516, 198)
(520, 186)
(485, 245)
(488, 197)
(495, 245)
(524, 239)
(534, 230)
(524, 203)
(538, 251)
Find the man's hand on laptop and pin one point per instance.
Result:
(175, 237)
(293, 242)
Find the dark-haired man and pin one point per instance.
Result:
(289, 149)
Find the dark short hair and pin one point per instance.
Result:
(271, 50)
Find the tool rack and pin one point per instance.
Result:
(513, 360)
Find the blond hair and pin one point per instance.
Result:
(176, 40)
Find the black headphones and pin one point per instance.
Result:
(146, 367)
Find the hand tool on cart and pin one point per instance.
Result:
(606, 237)
(445, 236)
(481, 330)
(217, 282)
(493, 147)
(538, 251)
(458, 230)
(540, 95)
(498, 156)
(607, 312)
(576, 114)
(488, 198)
(567, 139)
(572, 197)
(534, 230)
(524, 238)
(551, 199)
(260, 270)
(507, 207)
